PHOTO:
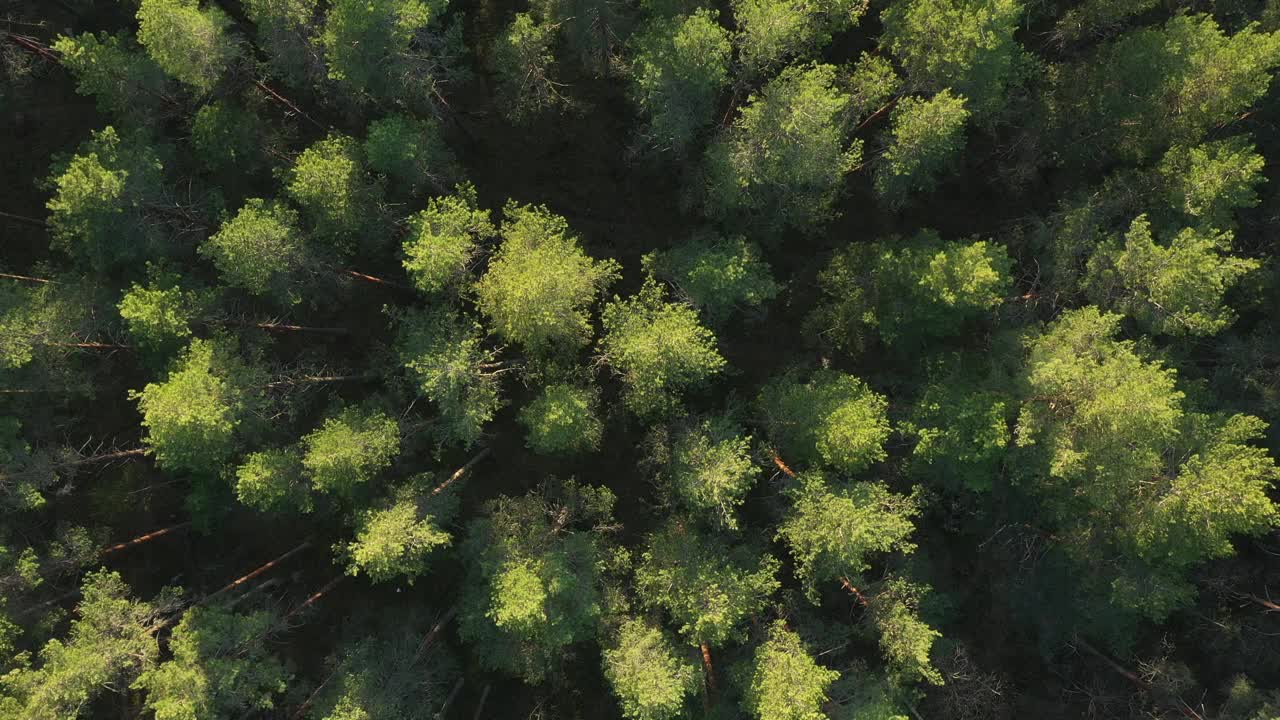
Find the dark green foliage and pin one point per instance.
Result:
(329, 183)
(773, 31)
(450, 365)
(782, 163)
(367, 43)
(537, 578)
(708, 470)
(225, 136)
(286, 30)
(681, 64)
(925, 141)
(126, 84)
(522, 59)
(411, 152)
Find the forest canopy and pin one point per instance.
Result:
(644, 359)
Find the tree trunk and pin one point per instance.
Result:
(708, 672)
(280, 327)
(318, 594)
(25, 278)
(433, 634)
(862, 599)
(783, 467)
(453, 694)
(145, 538)
(480, 705)
(375, 280)
(287, 103)
(246, 578)
(457, 474)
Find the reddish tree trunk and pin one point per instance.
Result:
(862, 599)
(708, 671)
(246, 578)
(375, 280)
(145, 538)
(783, 467)
(457, 474)
(318, 594)
(25, 278)
(287, 103)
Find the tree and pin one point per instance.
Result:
(221, 667)
(681, 65)
(536, 579)
(649, 677)
(1209, 182)
(786, 683)
(909, 293)
(349, 449)
(272, 479)
(366, 41)
(524, 63)
(1175, 290)
(905, 639)
(126, 84)
(717, 276)
(187, 42)
(286, 32)
(659, 348)
(966, 46)
(708, 587)
(396, 538)
(191, 418)
(159, 315)
(563, 419)
(111, 641)
(782, 163)
(397, 670)
(412, 152)
(833, 418)
(225, 136)
(96, 214)
(329, 183)
(260, 250)
(832, 532)
(1124, 471)
(771, 32)
(540, 284)
(708, 470)
(924, 142)
(45, 323)
(447, 359)
(444, 239)
(589, 29)
(961, 431)
(1154, 87)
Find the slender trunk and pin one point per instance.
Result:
(26, 278)
(432, 635)
(1176, 702)
(783, 467)
(480, 705)
(318, 594)
(242, 580)
(307, 379)
(306, 705)
(145, 538)
(862, 599)
(375, 280)
(64, 596)
(453, 694)
(88, 345)
(280, 327)
(708, 672)
(24, 219)
(287, 103)
(457, 474)
(1270, 606)
(877, 114)
(35, 47)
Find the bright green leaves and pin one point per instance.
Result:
(782, 163)
(905, 639)
(540, 284)
(909, 292)
(192, 416)
(450, 365)
(833, 532)
(1209, 182)
(961, 432)
(718, 276)
(708, 588)
(329, 183)
(259, 250)
(523, 60)
(159, 316)
(659, 348)
(563, 419)
(272, 480)
(187, 42)
(786, 683)
(681, 64)
(650, 678)
(709, 470)
(412, 152)
(1174, 290)
(99, 197)
(395, 540)
(443, 239)
(1126, 471)
(1157, 86)
(366, 41)
(833, 419)
(925, 140)
(536, 577)
(773, 31)
(111, 641)
(349, 449)
(964, 45)
(221, 667)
